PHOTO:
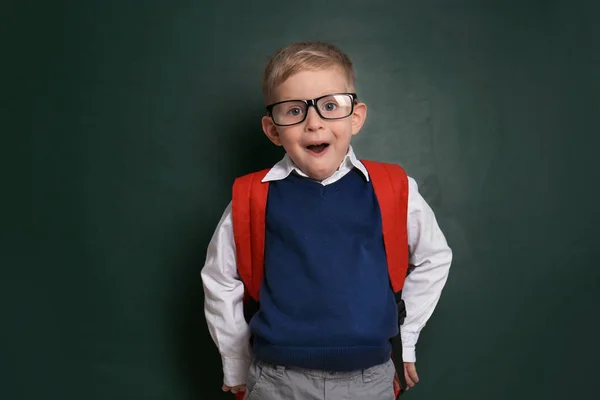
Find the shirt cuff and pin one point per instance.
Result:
(408, 354)
(235, 371)
(409, 341)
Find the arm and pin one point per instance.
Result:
(223, 308)
(431, 258)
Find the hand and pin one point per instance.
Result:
(234, 389)
(410, 374)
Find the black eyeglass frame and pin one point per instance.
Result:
(309, 103)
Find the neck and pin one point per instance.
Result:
(320, 179)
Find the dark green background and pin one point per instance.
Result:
(125, 122)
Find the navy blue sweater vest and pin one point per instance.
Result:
(326, 301)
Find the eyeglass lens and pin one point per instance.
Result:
(329, 107)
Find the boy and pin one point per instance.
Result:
(327, 311)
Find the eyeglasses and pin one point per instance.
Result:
(331, 106)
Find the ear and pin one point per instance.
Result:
(358, 117)
(270, 130)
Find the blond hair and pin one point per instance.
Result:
(301, 56)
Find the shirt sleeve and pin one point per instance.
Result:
(430, 259)
(223, 307)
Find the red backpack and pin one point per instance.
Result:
(249, 200)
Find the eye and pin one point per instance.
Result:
(295, 111)
(329, 106)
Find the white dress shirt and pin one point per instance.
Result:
(223, 290)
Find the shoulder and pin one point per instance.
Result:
(412, 183)
(371, 164)
(393, 170)
(249, 186)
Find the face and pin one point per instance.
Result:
(317, 146)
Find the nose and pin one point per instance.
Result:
(313, 119)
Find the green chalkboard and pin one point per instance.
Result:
(136, 116)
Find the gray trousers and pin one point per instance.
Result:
(276, 382)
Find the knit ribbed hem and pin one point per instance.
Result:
(324, 358)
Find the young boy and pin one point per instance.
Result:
(326, 312)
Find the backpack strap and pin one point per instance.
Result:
(248, 205)
(390, 184)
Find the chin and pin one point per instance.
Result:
(320, 175)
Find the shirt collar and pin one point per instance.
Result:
(286, 166)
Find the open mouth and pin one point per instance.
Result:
(317, 148)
